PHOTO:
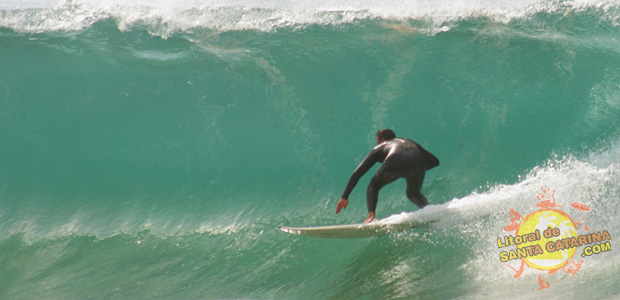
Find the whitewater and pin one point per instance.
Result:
(151, 149)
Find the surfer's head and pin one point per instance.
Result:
(385, 135)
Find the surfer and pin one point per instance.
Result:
(401, 158)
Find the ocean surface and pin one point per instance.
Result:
(151, 149)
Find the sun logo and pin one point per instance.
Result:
(547, 239)
(555, 225)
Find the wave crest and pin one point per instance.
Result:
(166, 17)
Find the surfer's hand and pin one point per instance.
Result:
(342, 203)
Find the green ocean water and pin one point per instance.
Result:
(150, 150)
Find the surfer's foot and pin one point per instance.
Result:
(371, 217)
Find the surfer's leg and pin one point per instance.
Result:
(372, 194)
(418, 200)
(414, 185)
(377, 182)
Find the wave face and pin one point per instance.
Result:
(150, 149)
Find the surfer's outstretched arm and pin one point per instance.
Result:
(363, 167)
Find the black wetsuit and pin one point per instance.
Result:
(401, 158)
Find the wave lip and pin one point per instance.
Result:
(49, 16)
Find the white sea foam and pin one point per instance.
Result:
(480, 218)
(50, 15)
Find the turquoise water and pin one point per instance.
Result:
(150, 150)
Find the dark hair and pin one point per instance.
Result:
(386, 135)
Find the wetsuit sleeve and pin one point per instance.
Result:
(431, 160)
(363, 167)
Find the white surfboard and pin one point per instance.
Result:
(360, 230)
